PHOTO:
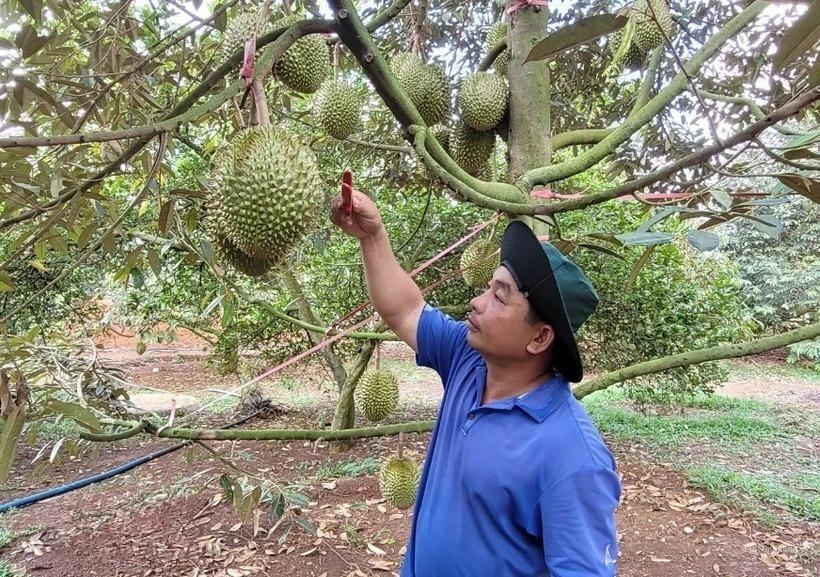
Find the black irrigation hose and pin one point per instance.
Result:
(85, 481)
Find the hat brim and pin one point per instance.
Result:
(523, 255)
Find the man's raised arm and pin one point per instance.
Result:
(395, 295)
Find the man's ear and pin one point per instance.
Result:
(542, 340)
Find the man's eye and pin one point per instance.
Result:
(498, 299)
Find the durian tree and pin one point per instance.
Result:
(683, 105)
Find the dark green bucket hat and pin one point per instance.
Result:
(558, 291)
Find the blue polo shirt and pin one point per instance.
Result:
(523, 486)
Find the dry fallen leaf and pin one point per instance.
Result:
(375, 549)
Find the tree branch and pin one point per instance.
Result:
(785, 111)
(295, 434)
(574, 137)
(729, 351)
(547, 174)
(755, 110)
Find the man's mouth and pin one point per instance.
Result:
(471, 325)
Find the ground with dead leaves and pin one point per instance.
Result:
(168, 517)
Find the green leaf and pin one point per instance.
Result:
(803, 185)
(221, 21)
(154, 261)
(722, 197)
(6, 283)
(38, 265)
(636, 268)
(75, 412)
(803, 34)
(599, 248)
(802, 140)
(165, 215)
(645, 238)
(581, 32)
(703, 240)
(662, 214)
(227, 486)
(34, 9)
(28, 41)
(766, 224)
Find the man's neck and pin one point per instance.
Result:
(512, 380)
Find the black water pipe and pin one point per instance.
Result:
(85, 481)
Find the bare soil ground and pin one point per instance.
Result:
(166, 518)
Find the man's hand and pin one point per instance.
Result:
(364, 219)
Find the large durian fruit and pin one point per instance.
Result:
(425, 84)
(377, 394)
(495, 35)
(265, 198)
(470, 148)
(338, 108)
(399, 481)
(629, 57)
(653, 24)
(306, 64)
(483, 100)
(478, 263)
(241, 28)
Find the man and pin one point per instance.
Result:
(517, 480)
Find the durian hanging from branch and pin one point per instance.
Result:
(265, 188)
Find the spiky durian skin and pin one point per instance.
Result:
(425, 84)
(496, 34)
(399, 481)
(305, 65)
(633, 59)
(471, 149)
(377, 394)
(268, 183)
(653, 24)
(338, 108)
(240, 29)
(442, 134)
(478, 263)
(483, 100)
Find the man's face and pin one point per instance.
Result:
(499, 324)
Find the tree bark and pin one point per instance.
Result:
(529, 132)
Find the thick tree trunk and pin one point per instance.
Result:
(529, 133)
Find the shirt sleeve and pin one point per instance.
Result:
(576, 518)
(440, 340)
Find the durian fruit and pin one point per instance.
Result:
(496, 34)
(338, 108)
(631, 58)
(483, 100)
(377, 394)
(267, 196)
(306, 64)
(478, 263)
(399, 481)
(442, 134)
(470, 148)
(653, 24)
(241, 28)
(425, 84)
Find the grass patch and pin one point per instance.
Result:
(797, 372)
(351, 468)
(746, 453)
(748, 491)
(6, 569)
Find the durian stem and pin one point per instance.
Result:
(378, 356)
(401, 445)
(260, 116)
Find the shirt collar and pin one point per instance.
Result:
(542, 401)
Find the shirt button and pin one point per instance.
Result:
(471, 416)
